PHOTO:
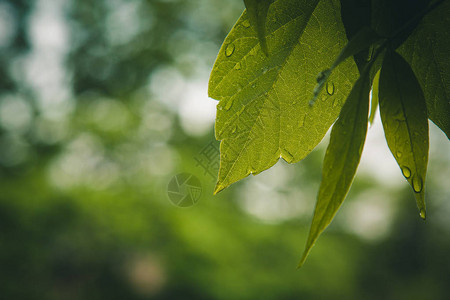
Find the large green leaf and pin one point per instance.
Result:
(341, 159)
(263, 113)
(404, 115)
(427, 50)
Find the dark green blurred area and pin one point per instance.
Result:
(95, 121)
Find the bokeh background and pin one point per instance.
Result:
(102, 102)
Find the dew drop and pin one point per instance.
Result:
(238, 66)
(253, 85)
(399, 154)
(219, 107)
(335, 102)
(406, 172)
(287, 156)
(234, 129)
(246, 23)
(423, 214)
(241, 110)
(417, 184)
(229, 104)
(229, 49)
(265, 69)
(330, 88)
(251, 170)
(301, 121)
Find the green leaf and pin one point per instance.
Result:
(404, 115)
(374, 100)
(257, 14)
(362, 40)
(263, 113)
(427, 51)
(341, 159)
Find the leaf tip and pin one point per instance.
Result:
(219, 187)
(423, 214)
(305, 255)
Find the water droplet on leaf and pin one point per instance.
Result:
(241, 110)
(229, 104)
(238, 66)
(399, 154)
(330, 88)
(229, 49)
(301, 121)
(417, 184)
(422, 214)
(406, 172)
(287, 156)
(246, 23)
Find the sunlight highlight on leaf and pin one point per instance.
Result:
(374, 101)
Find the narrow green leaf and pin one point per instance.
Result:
(374, 100)
(404, 115)
(257, 14)
(263, 113)
(427, 51)
(362, 40)
(341, 159)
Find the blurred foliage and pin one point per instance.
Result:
(88, 145)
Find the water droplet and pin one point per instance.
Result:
(330, 88)
(246, 23)
(251, 169)
(287, 156)
(406, 172)
(241, 110)
(253, 85)
(229, 104)
(238, 66)
(417, 184)
(301, 121)
(229, 49)
(219, 107)
(399, 154)
(423, 214)
(234, 129)
(265, 69)
(335, 102)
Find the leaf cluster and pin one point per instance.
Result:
(289, 69)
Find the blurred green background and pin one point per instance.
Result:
(102, 102)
